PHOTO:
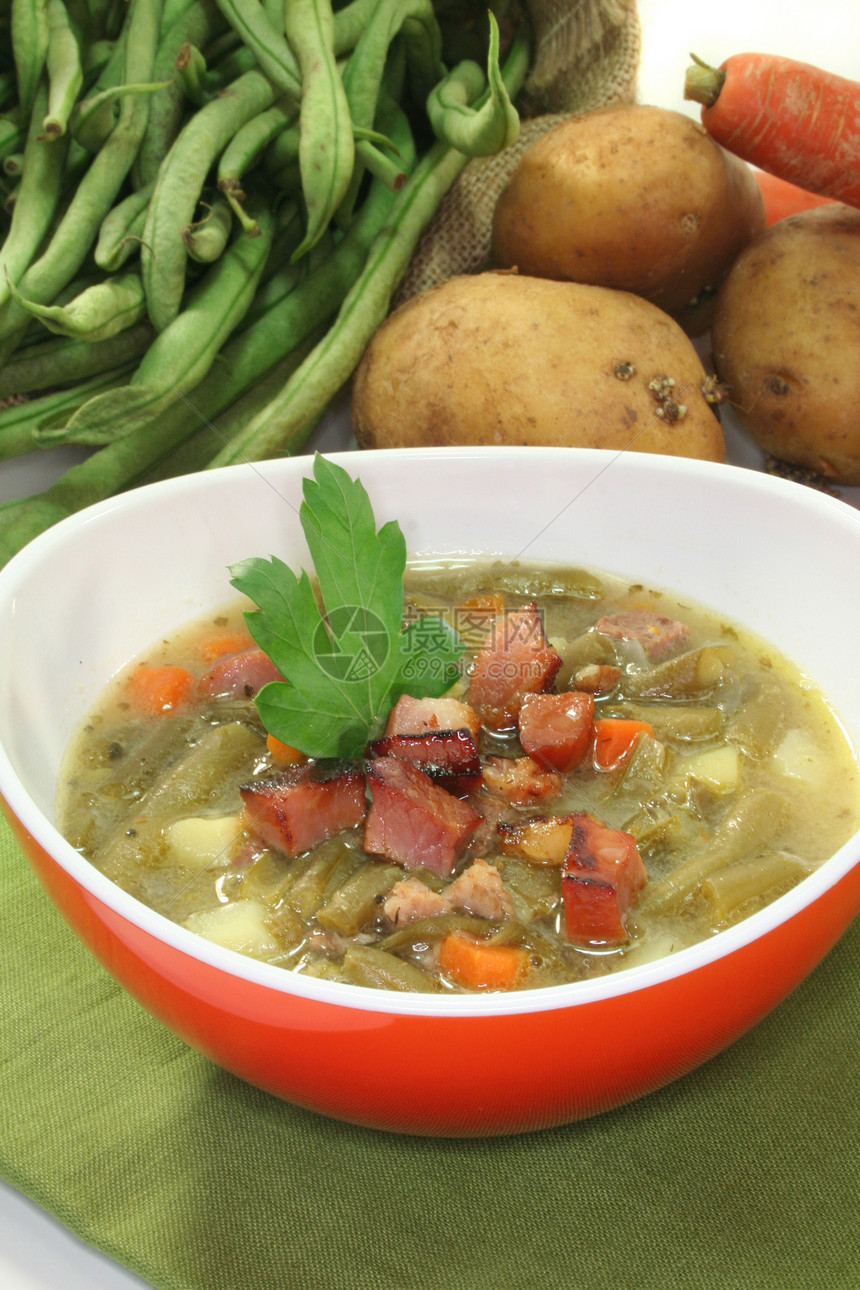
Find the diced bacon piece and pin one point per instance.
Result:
(411, 716)
(449, 757)
(542, 839)
(412, 820)
(305, 804)
(520, 780)
(479, 890)
(602, 874)
(516, 659)
(659, 636)
(242, 674)
(555, 729)
(597, 678)
(411, 899)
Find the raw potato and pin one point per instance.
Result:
(634, 197)
(786, 340)
(499, 358)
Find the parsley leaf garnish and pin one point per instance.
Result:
(346, 664)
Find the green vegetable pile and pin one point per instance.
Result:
(346, 664)
(208, 207)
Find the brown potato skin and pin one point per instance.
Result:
(500, 358)
(634, 197)
(786, 340)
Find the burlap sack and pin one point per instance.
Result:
(586, 56)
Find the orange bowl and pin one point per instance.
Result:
(757, 549)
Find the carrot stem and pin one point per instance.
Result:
(702, 83)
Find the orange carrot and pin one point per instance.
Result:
(482, 965)
(283, 753)
(474, 616)
(221, 643)
(157, 688)
(782, 199)
(615, 738)
(791, 119)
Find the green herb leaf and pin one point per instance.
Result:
(347, 662)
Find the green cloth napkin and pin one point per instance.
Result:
(744, 1174)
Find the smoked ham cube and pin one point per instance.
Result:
(520, 780)
(515, 660)
(303, 805)
(660, 637)
(601, 876)
(449, 757)
(411, 716)
(555, 729)
(244, 673)
(413, 821)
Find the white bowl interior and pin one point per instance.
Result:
(94, 591)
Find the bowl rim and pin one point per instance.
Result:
(362, 998)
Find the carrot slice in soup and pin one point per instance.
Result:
(158, 688)
(482, 965)
(615, 738)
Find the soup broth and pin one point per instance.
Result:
(684, 776)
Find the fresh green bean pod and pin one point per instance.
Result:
(184, 352)
(283, 331)
(13, 164)
(112, 70)
(96, 57)
(380, 164)
(12, 135)
(65, 72)
(282, 426)
(249, 19)
(93, 119)
(36, 202)
(196, 450)
(200, 82)
(29, 32)
(97, 190)
(206, 239)
(179, 184)
(283, 150)
(121, 230)
(349, 23)
(478, 132)
(224, 43)
(192, 69)
(58, 361)
(326, 147)
(19, 423)
(196, 22)
(173, 10)
(98, 313)
(248, 142)
(366, 68)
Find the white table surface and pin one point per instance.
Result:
(36, 1252)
